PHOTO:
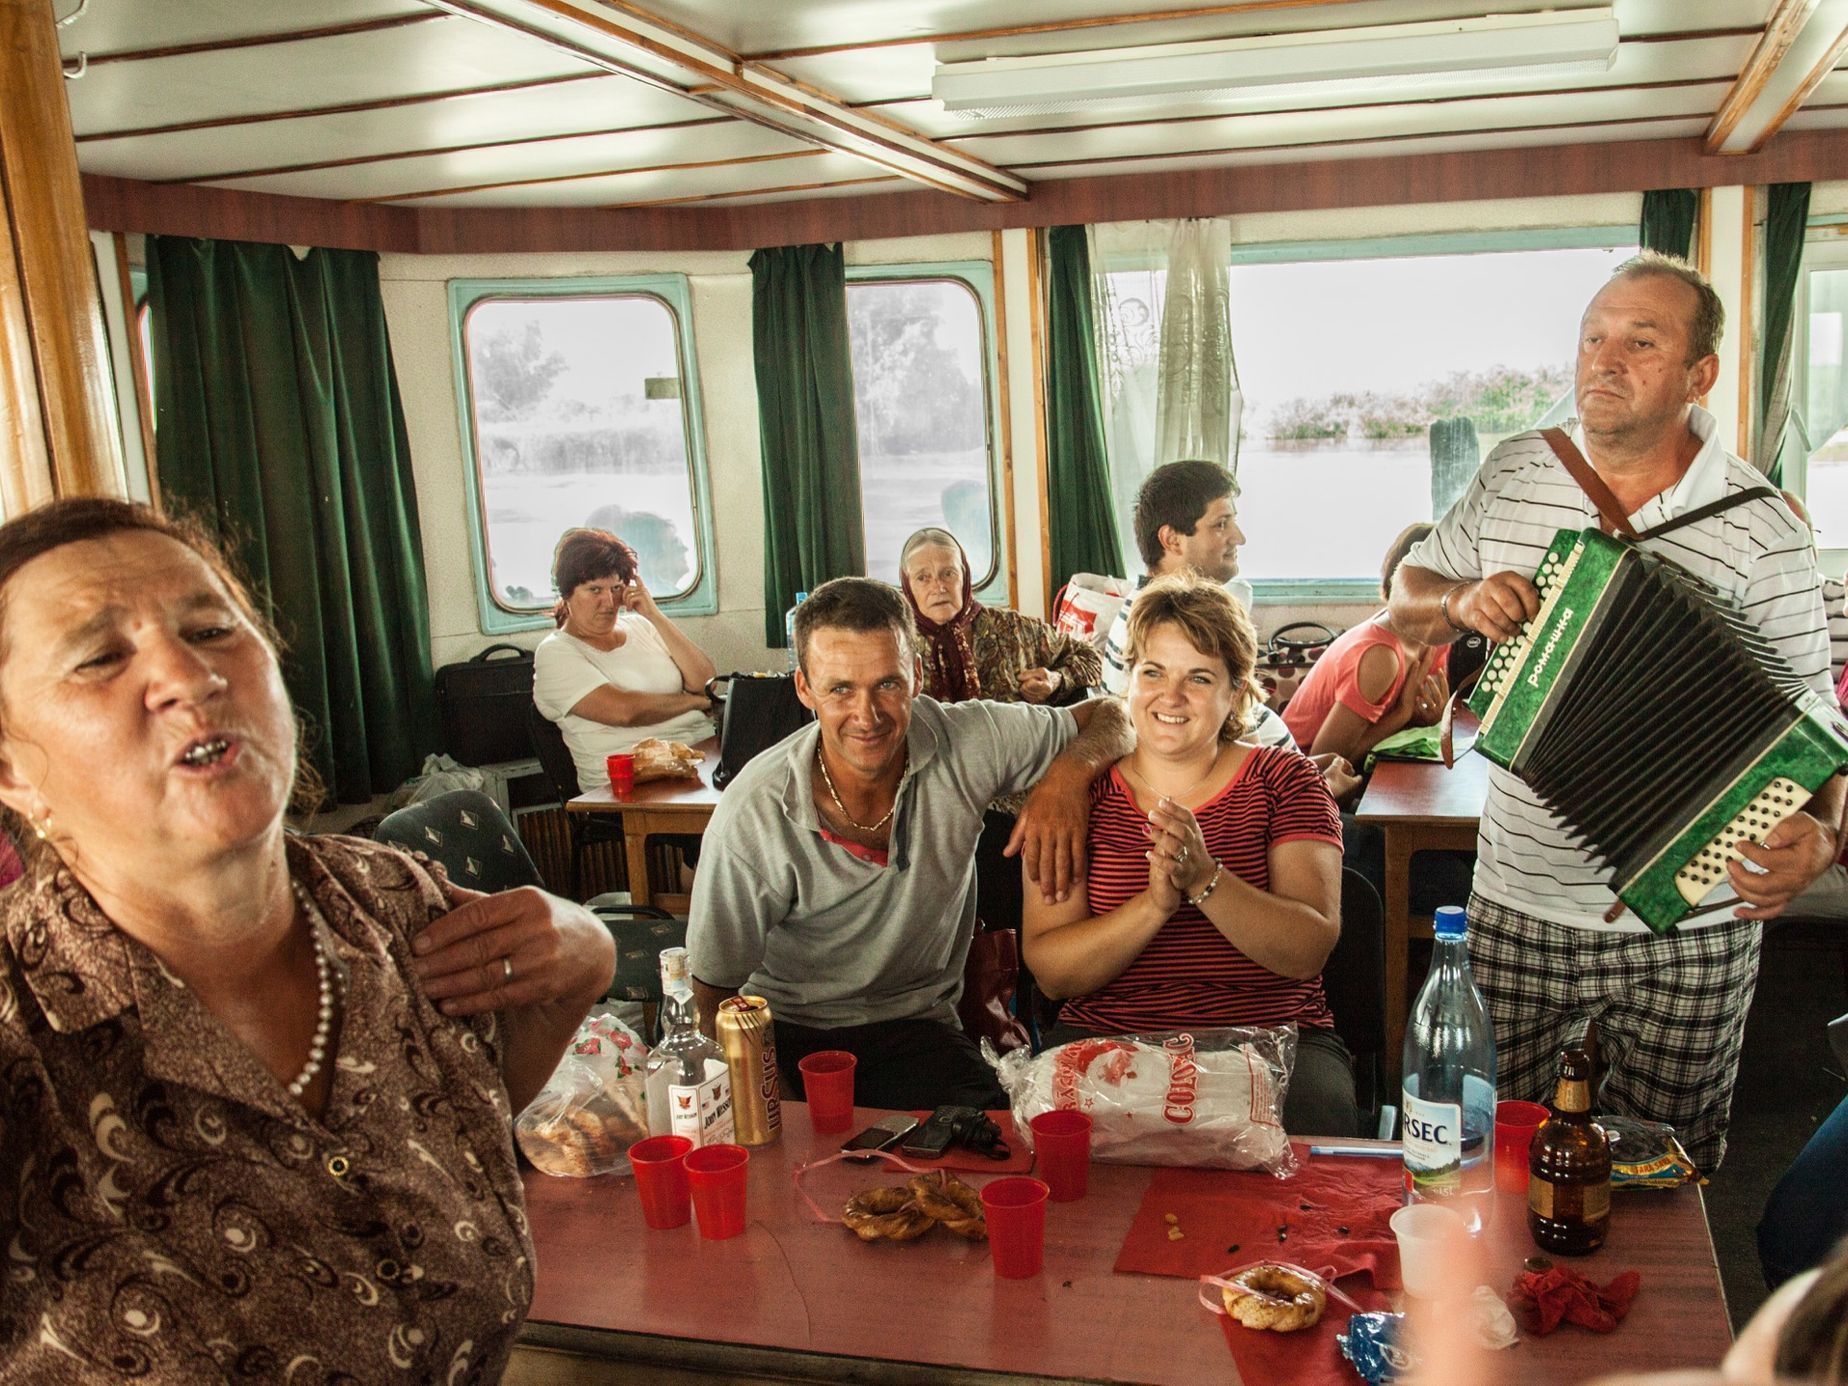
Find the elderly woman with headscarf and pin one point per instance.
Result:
(975, 651)
(255, 1088)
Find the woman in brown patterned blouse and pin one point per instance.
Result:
(975, 651)
(254, 1090)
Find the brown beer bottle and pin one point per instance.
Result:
(1569, 1192)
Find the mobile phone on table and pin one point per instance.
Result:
(881, 1135)
(933, 1138)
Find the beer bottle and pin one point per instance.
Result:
(1569, 1193)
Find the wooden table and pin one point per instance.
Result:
(1419, 806)
(659, 806)
(795, 1299)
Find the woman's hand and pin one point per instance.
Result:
(520, 949)
(1178, 849)
(1040, 685)
(1433, 693)
(637, 598)
(1410, 705)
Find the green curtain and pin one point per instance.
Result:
(813, 528)
(1084, 538)
(280, 427)
(1786, 223)
(1668, 220)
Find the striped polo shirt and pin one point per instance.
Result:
(1190, 975)
(1757, 555)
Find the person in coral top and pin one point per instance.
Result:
(1372, 682)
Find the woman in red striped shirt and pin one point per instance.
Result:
(1214, 891)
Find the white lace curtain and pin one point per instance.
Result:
(1161, 292)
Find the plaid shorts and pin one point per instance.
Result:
(1670, 1012)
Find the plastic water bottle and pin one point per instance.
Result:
(1450, 1084)
(789, 629)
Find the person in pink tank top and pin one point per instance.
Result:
(1372, 682)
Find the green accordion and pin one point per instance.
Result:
(1654, 720)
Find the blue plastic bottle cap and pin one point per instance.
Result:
(801, 597)
(1449, 922)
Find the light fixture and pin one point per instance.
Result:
(1493, 48)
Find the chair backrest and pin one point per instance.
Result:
(1354, 977)
(467, 833)
(554, 756)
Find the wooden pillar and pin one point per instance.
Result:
(57, 418)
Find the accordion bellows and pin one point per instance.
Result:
(1654, 719)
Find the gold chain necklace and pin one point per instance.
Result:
(1210, 770)
(847, 817)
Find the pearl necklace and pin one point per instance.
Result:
(317, 1047)
(827, 779)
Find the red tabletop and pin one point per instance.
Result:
(810, 1297)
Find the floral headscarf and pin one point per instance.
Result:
(946, 647)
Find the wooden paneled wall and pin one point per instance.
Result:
(1569, 169)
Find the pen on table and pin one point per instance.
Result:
(1392, 1151)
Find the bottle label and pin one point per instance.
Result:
(1589, 1203)
(703, 1114)
(1433, 1147)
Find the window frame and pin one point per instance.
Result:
(978, 277)
(673, 292)
(1825, 246)
(1365, 590)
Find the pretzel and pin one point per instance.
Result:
(888, 1213)
(1273, 1298)
(948, 1200)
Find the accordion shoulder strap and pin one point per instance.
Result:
(1589, 481)
(1701, 512)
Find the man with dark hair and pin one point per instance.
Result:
(1670, 1010)
(837, 878)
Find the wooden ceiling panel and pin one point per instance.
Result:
(1636, 64)
(662, 186)
(1598, 133)
(762, 27)
(601, 103)
(444, 55)
(120, 26)
(1360, 124)
(629, 149)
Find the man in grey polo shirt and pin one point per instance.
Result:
(837, 878)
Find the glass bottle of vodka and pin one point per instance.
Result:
(687, 1079)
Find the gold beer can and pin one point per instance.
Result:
(749, 1042)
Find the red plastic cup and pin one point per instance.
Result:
(1016, 1212)
(622, 774)
(1515, 1124)
(827, 1080)
(660, 1165)
(716, 1173)
(1062, 1150)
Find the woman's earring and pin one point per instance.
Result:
(42, 827)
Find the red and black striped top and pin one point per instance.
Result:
(1189, 975)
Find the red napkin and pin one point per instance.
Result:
(1332, 1212)
(1542, 1300)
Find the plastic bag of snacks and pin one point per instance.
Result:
(1207, 1098)
(1646, 1155)
(593, 1107)
(656, 759)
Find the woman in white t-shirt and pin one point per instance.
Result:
(616, 671)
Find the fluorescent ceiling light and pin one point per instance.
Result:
(1495, 48)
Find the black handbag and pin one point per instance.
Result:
(755, 712)
(481, 706)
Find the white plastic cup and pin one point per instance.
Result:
(1431, 1237)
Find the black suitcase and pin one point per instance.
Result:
(481, 706)
(756, 712)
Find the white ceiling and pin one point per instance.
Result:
(400, 101)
